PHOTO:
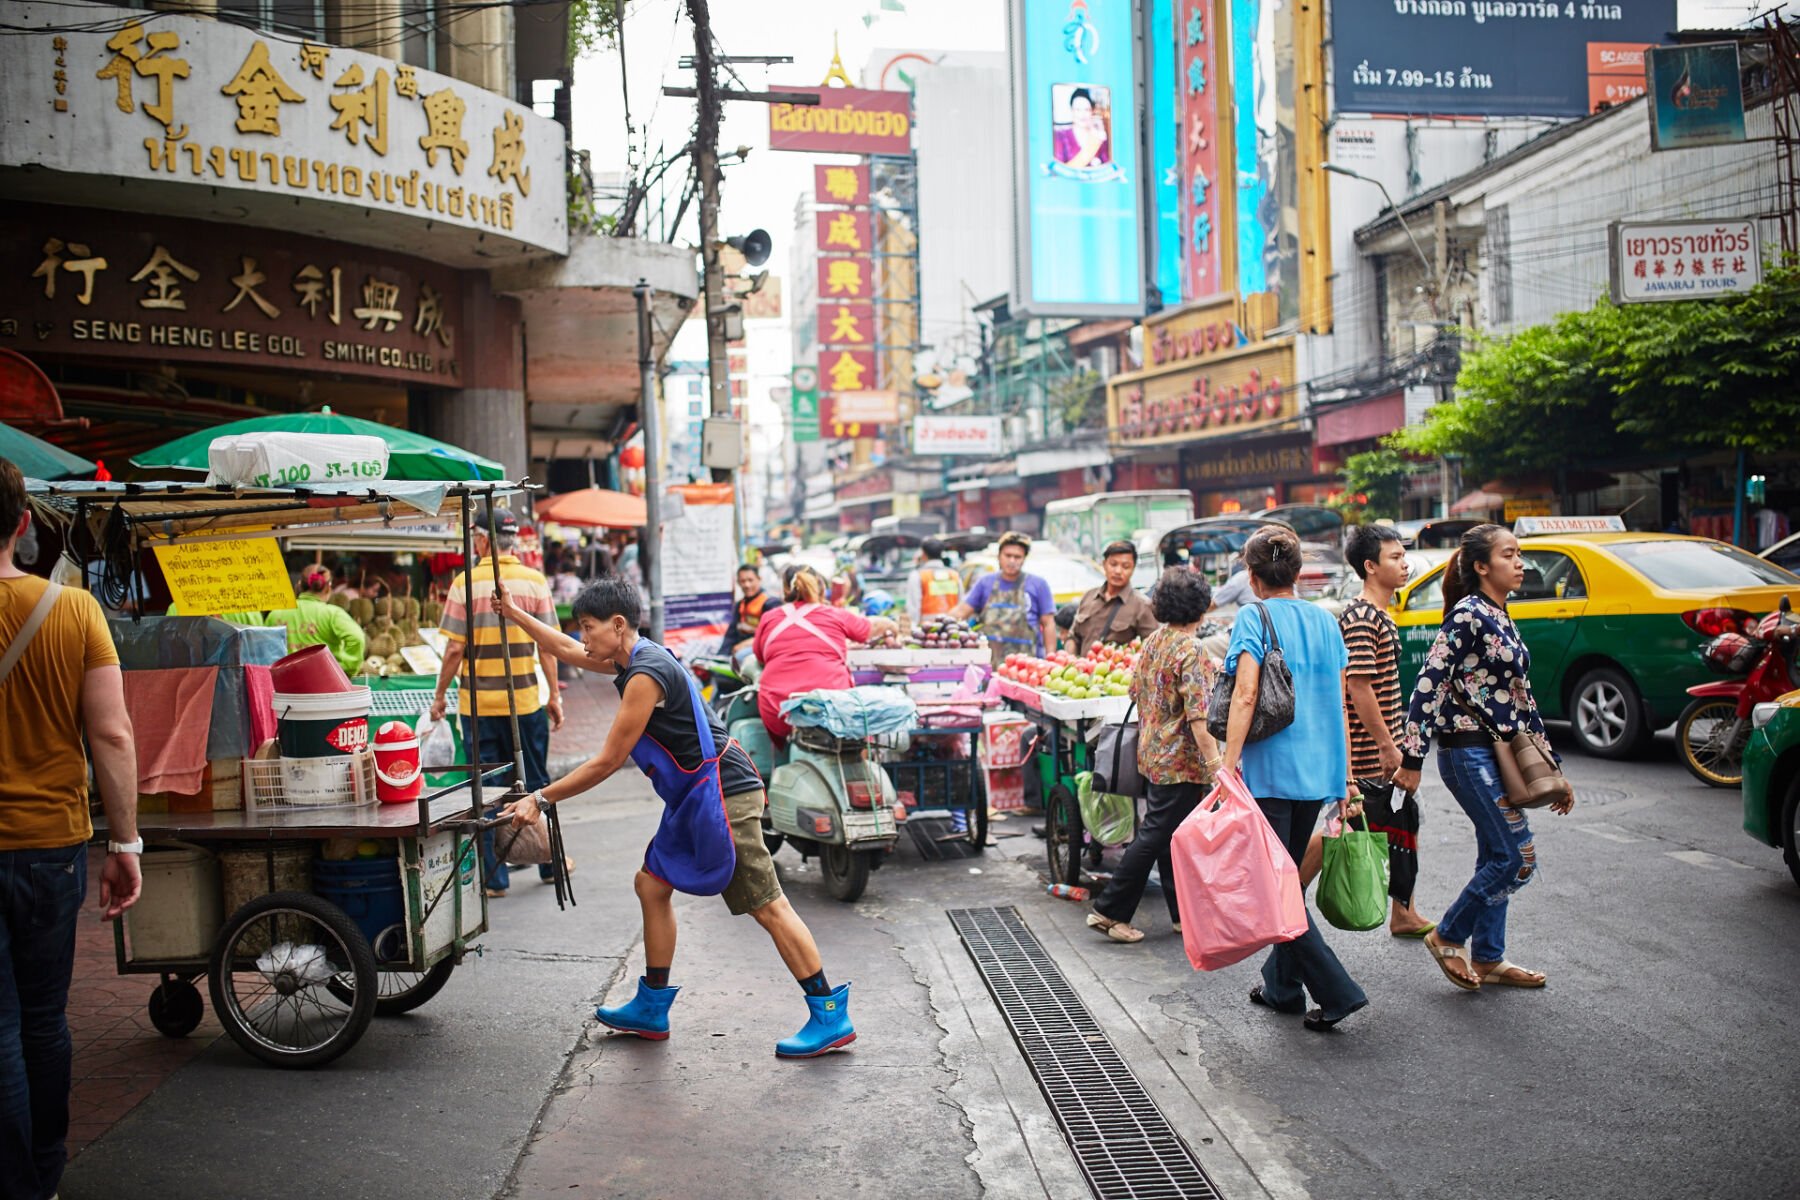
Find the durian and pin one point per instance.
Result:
(340, 598)
(384, 607)
(363, 611)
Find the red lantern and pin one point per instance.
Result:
(632, 456)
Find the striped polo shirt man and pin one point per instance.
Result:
(499, 648)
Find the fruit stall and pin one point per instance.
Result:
(296, 858)
(1068, 699)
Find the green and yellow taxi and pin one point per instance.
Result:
(1614, 621)
(1772, 778)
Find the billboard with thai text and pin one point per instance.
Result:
(1481, 57)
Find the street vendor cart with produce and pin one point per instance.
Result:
(299, 863)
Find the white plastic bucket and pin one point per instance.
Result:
(319, 781)
(322, 724)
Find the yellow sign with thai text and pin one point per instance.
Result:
(241, 575)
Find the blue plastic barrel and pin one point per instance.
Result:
(369, 892)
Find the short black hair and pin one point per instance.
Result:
(1119, 548)
(1065, 616)
(1180, 597)
(750, 567)
(1363, 546)
(607, 597)
(1081, 93)
(932, 548)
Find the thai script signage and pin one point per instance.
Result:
(78, 282)
(1481, 57)
(1196, 333)
(1684, 260)
(956, 435)
(845, 121)
(153, 96)
(1248, 466)
(1234, 393)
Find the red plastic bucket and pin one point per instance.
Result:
(310, 672)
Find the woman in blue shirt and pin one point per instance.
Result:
(1293, 773)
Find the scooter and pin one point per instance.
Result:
(722, 678)
(1715, 728)
(828, 797)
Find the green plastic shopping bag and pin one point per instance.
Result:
(1110, 819)
(1353, 882)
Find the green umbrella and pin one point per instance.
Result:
(410, 455)
(39, 459)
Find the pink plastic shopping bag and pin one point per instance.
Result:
(1237, 888)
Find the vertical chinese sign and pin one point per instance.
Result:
(847, 337)
(1198, 79)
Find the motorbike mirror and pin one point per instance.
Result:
(1786, 607)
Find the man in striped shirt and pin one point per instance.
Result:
(499, 650)
(1376, 713)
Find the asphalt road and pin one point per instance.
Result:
(1662, 1060)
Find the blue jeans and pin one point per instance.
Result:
(495, 745)
(1505, 859)
(1306, 962)
(40, 897)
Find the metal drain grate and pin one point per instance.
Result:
(1125, 1146)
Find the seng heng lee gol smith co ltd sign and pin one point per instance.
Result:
(155, 97)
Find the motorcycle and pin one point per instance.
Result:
(722, 678)
(1715, 728)
(828, 797)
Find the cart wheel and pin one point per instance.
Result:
(1063, 835)
(271, 976)
(396, 992)
(846, 871)
(176, 1008)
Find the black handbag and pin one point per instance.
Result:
(1115, 749)
(1274, 692)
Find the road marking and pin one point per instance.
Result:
(1609, 831)
(1700, 858)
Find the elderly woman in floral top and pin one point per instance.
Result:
(1176, 755)
(1474, 690)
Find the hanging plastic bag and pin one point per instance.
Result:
(1353, 882)
(1110, 818)
(1237, 889)
(437, 745)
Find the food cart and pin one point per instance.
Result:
(295, 976)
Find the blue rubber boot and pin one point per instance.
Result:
(646, 1014)
(827, 1027)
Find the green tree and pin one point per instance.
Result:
(1373, 482)
(1617, 381)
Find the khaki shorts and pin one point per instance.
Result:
(754, 883)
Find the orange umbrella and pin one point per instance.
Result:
(594, 506)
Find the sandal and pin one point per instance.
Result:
(1442, 954)
(1506, 974)
(1118, 931)
(494, 893)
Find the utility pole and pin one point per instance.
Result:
(706, 166)
(650, 544)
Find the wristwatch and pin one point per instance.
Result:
(133, 847)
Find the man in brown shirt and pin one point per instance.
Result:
(1113, 612)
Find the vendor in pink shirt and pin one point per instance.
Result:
(803, 646)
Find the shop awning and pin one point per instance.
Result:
(38, 459)
(597, 507)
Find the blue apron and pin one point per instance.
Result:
(692, 851)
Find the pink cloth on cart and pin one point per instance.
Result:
(259, 694)
(171, 719)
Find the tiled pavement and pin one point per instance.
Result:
(119, 1057)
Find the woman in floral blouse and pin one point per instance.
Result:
(1176, 755)
(1475, 689)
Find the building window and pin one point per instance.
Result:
(305, 17)
(419, 46)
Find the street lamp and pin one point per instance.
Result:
(1430, 282)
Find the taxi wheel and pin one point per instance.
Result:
(1607, 714)
(1790, 829)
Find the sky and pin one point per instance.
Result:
(760, 192)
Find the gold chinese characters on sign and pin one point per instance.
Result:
(149, 70)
